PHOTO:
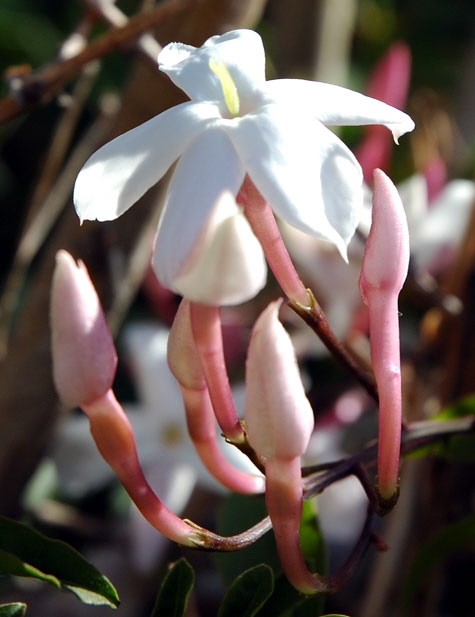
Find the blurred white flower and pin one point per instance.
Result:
(436, 227)
(159, 424)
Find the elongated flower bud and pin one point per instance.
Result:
(279, 423)
(84, 356)
(384, 269)
(279, 418)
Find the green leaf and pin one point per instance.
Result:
(175, 590)
(311, 541)
(239, 512)
(450, 538)
(26, 552)
(15, 609)
(248, 593)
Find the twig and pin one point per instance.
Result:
(315, 482)
(113, 16)
(316, 319)
(39, 86)
(42, 222)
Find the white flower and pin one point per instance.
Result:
(236, 123)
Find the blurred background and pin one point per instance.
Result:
(50, 127)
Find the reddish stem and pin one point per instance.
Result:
(202, 429)
(206, 328)
(263, 224)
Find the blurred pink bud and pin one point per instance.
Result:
(389, 83)
(435, 174)
(84, 356)
(279, 418)
(384, 269)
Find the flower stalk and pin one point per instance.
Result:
(263, 223)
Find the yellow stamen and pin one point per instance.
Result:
(228, 86)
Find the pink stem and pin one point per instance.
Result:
(115, 440)
(206, 328)
(284, 502)
(385, 359)
(202, 429)
(263, 223)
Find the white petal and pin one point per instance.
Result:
(120, 172)
(209, 169)
(188, 67)
(309, 177)
(229, 266)
(337, 106)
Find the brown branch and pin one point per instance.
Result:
(39, 86)
(316, 319)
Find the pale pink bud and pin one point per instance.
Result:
(384, 269)
(279, 423)
(279, 418)
(84, 356)
(182, 355)
(386, 256)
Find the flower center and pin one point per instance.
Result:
(228, 86)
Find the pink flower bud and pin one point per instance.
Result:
(84, 356)
(279, 418)
(279, 423)
(182, 355)
(384, 269)
(386, 256)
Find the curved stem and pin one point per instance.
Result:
(202, 429)
(284, 502)
(115, 440)
(206, 328)
(385, 358)
(263, 224)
